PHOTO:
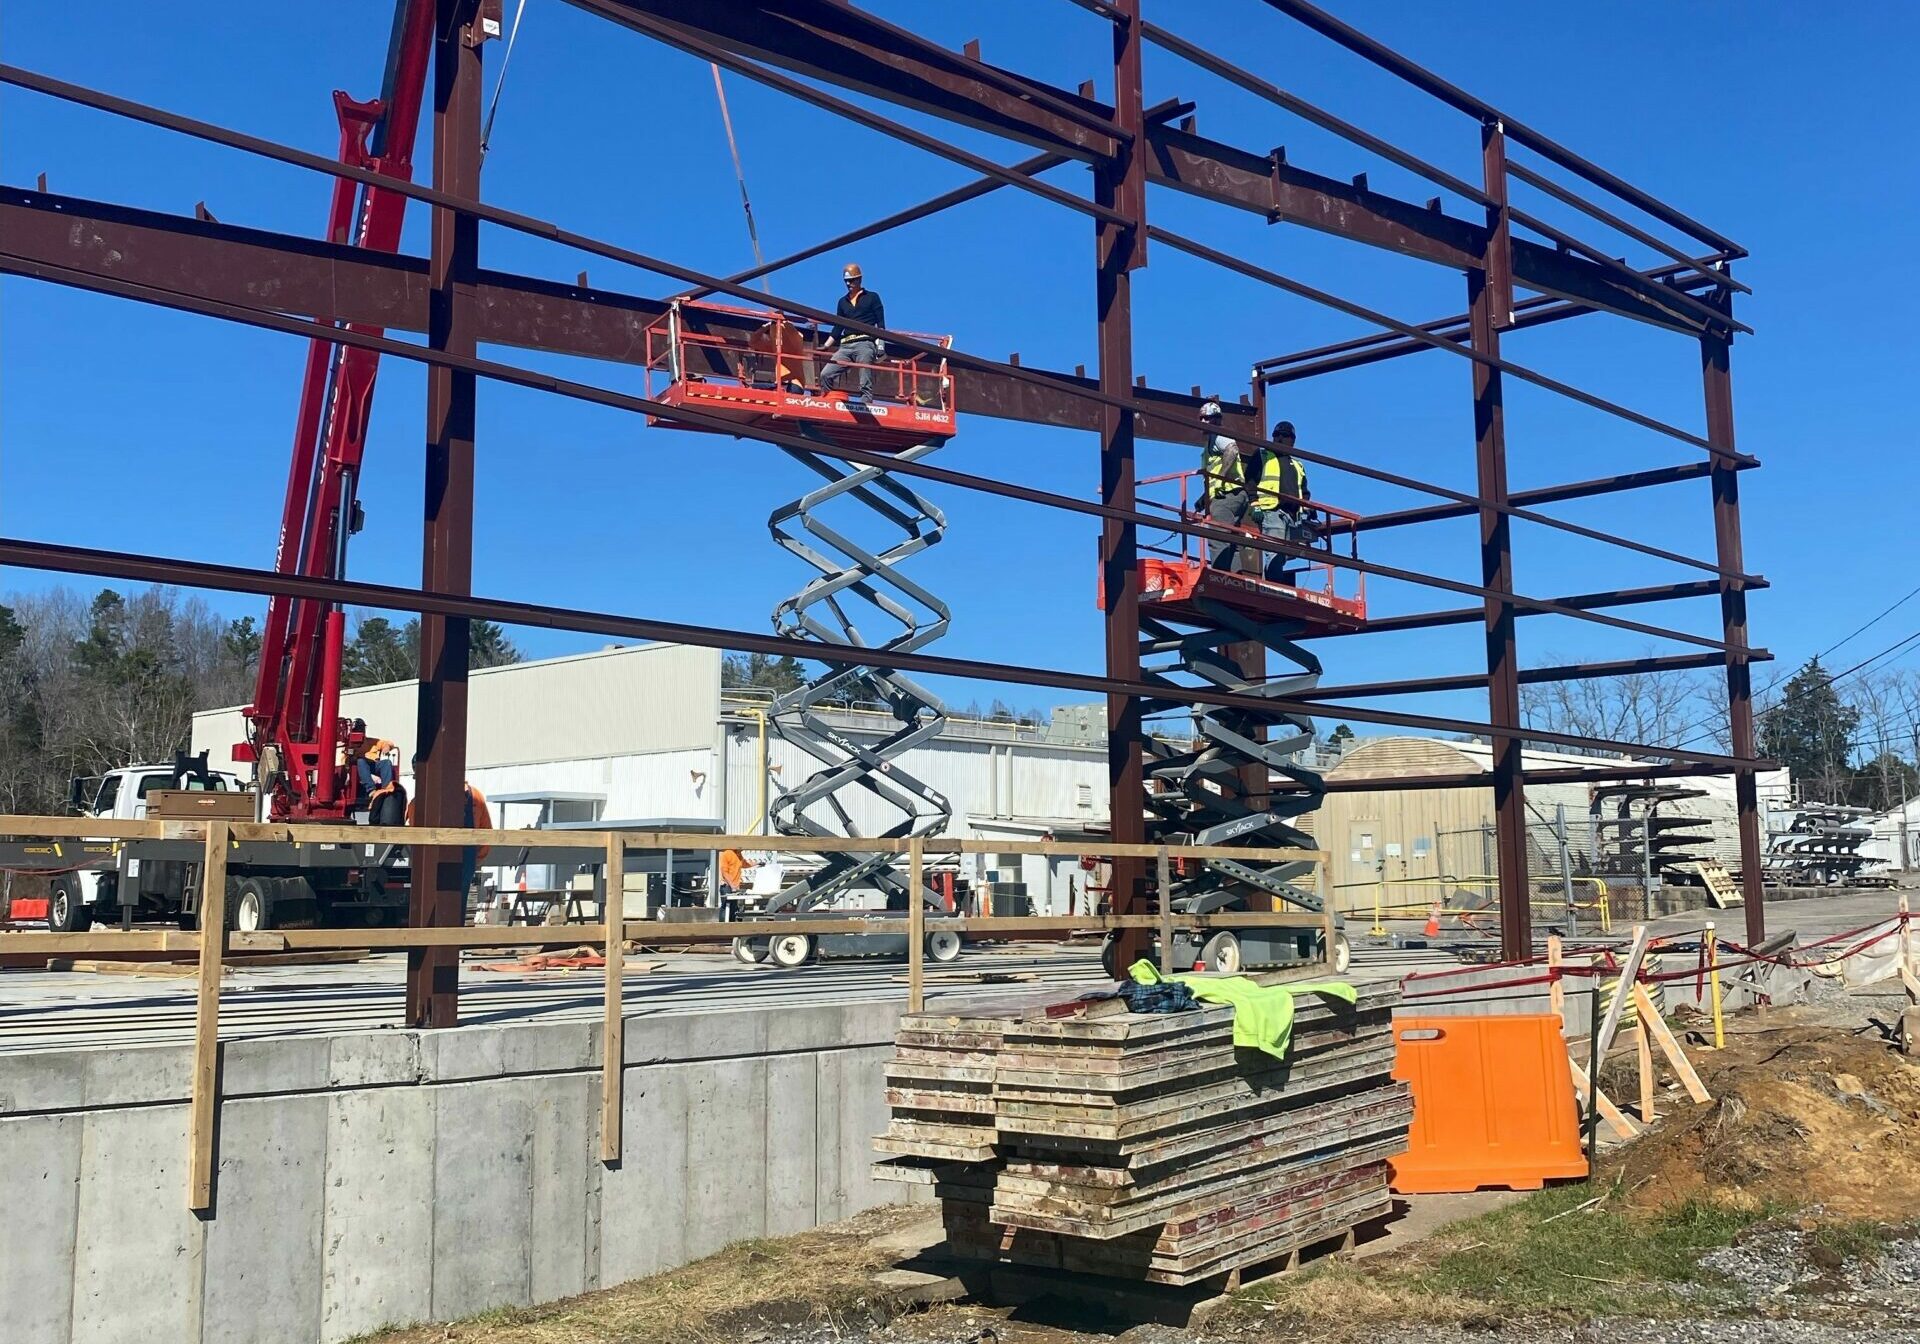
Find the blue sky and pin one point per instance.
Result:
(127, 426)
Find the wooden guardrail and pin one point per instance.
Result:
(219, 837)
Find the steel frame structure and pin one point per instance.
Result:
(310, 288)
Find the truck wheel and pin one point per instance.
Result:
(1222, 953)
(250, 905)
(791, 950)
(66, 912)
(943, 946)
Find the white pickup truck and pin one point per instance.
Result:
(273, 884)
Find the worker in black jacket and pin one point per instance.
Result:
(852, 347)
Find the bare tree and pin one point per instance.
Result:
(1657, 708)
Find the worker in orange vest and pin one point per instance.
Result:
(373, 764)
(476, 817)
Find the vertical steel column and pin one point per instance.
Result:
(1716, 377)
(440, 760)
(1122, 185)
(1489, 304)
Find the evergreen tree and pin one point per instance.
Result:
(763, 671)
(1811, 733)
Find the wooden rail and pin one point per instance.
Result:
(219, 837)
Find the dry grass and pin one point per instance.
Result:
(818, 1276)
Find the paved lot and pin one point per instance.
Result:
(42, 1010)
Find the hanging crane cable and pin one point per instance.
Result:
(500, 84)
(739, 175)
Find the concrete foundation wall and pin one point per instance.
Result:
(388, 1178)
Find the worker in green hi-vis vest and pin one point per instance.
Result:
(1223, 485)
(1279, 505)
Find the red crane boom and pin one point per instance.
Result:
(295, 735)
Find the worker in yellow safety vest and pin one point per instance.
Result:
(1223, 484)
(1279, 506)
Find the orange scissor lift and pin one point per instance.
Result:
(761, 369)
(1216, 788)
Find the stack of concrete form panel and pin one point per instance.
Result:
(1146, 1146)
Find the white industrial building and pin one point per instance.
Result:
(648, 732)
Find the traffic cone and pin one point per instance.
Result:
(1432, 929)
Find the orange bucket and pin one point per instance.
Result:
(1492, 1104)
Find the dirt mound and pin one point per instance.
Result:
(1801, 1116)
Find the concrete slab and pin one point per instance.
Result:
(664, 1040)
(41, 1156)
(137, 1258)
(271, 1068)
(483, 1195)
(792, 1159)
(373, 1058)
(641, 1231)
(30, 1084)
(726, 1154)
(863, 1114)
(377, 1221)
(263, 1243)
(832, 1199)
(565, 1178)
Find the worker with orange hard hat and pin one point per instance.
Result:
(850, 347)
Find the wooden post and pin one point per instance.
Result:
(1556, 992)
(204, 1106)
(1654, 1025)
(1629, 974)
(1909, 974)
(1164, 866)
(916, 927)
(1713, 988)
(1643, 1047)
(613, 1045)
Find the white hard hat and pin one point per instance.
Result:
(1210, 409)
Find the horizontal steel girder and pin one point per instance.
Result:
(836, 43)
(329, 282)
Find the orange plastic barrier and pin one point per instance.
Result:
(1492, 1104)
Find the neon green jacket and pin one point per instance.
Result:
(1262, 1014)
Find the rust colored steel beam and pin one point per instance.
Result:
(1574, 774)
(1319, 116)
(838, 44)
(832, 41)
(1118, 252)
(1361, 351)
(1693, 268)
(691, 41)
(438, 898)
(1326, 300)
(1716, 378)
(544, 229)
(1472, 681)
(145, 568)
(331, 282)
(1428, 82)
(1547, 494)
(1615, 267)
(1489, 300)
(973, 191)
(623, 401)
(1619, 597)
(1269, 186)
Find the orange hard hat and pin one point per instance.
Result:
(851, 271)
